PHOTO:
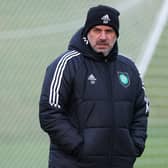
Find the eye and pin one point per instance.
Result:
(110, 31)
(96, 30)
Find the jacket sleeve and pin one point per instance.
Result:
(140, 117)
(53, 111)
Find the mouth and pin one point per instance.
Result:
(102, 45)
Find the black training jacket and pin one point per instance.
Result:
(93, 108)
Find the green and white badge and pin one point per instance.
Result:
(124, 79)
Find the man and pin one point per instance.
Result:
(93, 104)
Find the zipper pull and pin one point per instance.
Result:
(106, 60)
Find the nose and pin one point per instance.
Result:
(103, 35)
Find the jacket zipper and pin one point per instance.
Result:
(111, 76)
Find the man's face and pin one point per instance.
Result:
(102, 39)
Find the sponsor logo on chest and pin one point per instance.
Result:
(92, 79)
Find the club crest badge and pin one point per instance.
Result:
(124, 79)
